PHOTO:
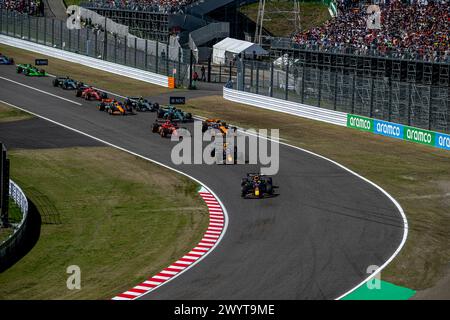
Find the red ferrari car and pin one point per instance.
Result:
(91, 93)
(165, 128)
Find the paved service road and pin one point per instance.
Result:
(314, 240)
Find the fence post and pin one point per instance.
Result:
(88, 42)
(157, 58)
(409, 103)
(21, 28)
(251, 74)
(257, 78)
(95, 44)
(37, 30)
(390, 100)
(1, 20)
(303, 82)
(179, 67)
(220, 72)
(61, 34)
(14, 26)
(190, 68)
(243, 74)
(135, 52)
(353, 92)
(53, 32)
(29, 28)
(146, 55)
(69, 40)
(78, 40)
(45, 31)
(335, 89)
(319, 97)
(209, 68)
(125, 51)
(271, 79)
(105, 42)
(429, 107)
(287, 81)
(167, 59)
(7, 22)
(372, 87)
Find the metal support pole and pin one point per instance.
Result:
(429, 107)
(303, 82)
(353, 92)
(7, 23)
(251, 74)
(243, 75)
(146, 55)
(61, 33)
(14, 26)
(53, 32)
(69, 40)
(78, 40)
(135, 52)
(37, 30)
(167, 58)
(191, 58)
(21, 28)
(105, 42)
(45, 31)
(319, 97)
(209, 68)
(390, 100)
(179, 68)
(157, 58)
(335, 90)
(88, 42)
(115, 47)
(29, 28)
(271, 79)
(257, 78)
(409, 103)
(372, 87)
(95, 44)
(125, 51)
(220, 72)
(286, 92)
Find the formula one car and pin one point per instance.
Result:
(5, 60)
(66, 83)
(165, 128)
(230, 155)
(141, 104)
(29, 70)
(87, 93)
(256, 185)
(172, 113)
(114, 107)
(220, 125)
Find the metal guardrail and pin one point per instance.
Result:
(111, 67)
(293, 108)
(19, 197)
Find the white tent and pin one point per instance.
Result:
(228, 48)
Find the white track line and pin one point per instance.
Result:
(405, 221)
(225, 225)
(41, 91)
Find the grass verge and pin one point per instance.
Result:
(279, 23)
(12, 114)
(101, 79)
(118, 217)
(417, 176)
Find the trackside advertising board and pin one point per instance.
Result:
(399, 131)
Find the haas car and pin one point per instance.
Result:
(141, 104)
(89, 93)
(66, 83)
(165, 128)
(256, 186)
(29, 70)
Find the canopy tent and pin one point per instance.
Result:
(229, 48)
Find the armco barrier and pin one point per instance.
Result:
(9, 246)
(399, 131)
(293, 108)
(99, 64)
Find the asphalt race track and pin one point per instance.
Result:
(315, 240)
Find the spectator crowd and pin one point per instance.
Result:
(414, 29)
(166, 6)
(31, 7)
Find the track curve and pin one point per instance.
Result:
(313, 241)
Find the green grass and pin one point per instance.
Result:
(417, 176)
(71, 2)
(11, 114)
(312, 14)
(120, 218)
